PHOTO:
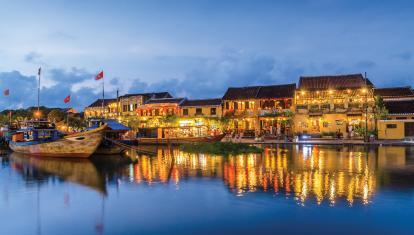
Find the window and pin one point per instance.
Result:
(213, 111)
(246, 105)
(185, 112)
(391, 126)
(157, 112)
(199, 111)
(236, 105)
(125, 108)
(227, 105)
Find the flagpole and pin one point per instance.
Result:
(103, 97)
(38, 92)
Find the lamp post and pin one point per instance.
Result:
(366, 109)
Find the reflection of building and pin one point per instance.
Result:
(95, 109)
(307, 173)
(326, 104)
(258, 107)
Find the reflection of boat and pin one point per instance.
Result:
(113, 134)
(164, 136)
(42, 139)
(80, 171)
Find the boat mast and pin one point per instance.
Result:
(103, 98)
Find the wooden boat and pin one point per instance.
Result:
(114, 133)
(40, 138)
(180, 140)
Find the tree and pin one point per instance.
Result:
(56, 115)
(380, 111)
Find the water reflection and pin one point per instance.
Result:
(307, 174)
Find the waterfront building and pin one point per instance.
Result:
(201, 117)
(399, 101)
(159, 112)
(94, 110)
(129, 103)
(326, 105)
(266, 109)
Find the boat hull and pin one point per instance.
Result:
(80, 145)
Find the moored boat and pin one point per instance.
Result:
(114, 140)
(40, 138)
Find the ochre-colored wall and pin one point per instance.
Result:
(391, 133)
(205, 110)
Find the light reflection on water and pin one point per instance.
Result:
(306, 175)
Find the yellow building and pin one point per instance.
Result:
(264, 109)
(95, 109)
(395, 129)
(158, 112)
(130, 102)
(202, 116)
(399, 101)
(328, 104)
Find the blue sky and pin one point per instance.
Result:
(196, 48)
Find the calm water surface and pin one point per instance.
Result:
(287, 189)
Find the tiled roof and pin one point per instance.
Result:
(260, 92)
(154, 95)
(390, 92)
(98, 102)
(400, 107)
(201, 102)
(351, 81)
(277, 91)
(165, 101)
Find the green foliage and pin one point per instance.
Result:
(220, 148)
(56, 115)
(380, 111)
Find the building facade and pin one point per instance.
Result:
(399, 101)
(130, 102)
(326, 105)
(95, 110)
(259, 109)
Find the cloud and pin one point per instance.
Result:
(23, 89)
(406, 56)
(33, 57)
(365, 64)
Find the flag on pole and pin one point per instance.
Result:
(6, 92)
(99, 76)
(67, 99)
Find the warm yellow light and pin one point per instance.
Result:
(37, 114)
(364, 90)
(302, 92)
(330, 91)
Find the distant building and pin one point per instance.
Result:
(328, 104)
(259, 108)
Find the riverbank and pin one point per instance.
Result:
(325, 142)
